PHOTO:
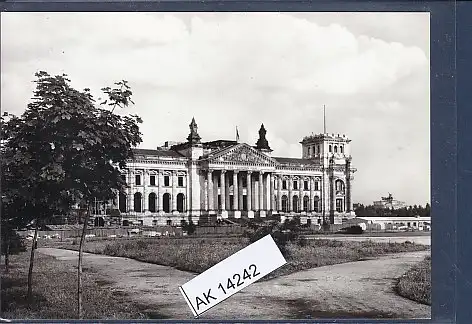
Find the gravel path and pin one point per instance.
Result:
(361, 289)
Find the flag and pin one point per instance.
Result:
(237, 134)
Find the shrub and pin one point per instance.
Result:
(279, 233)
(355, 229)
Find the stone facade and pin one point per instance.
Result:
(205, 181)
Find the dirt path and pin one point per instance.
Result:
(361, 289)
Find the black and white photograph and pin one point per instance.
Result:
(142, 149)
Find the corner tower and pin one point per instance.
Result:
(262, 144)
(322, 147)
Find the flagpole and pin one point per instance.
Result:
(324, 119)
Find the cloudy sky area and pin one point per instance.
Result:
(371, 70)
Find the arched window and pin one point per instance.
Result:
(339, 187)
(316, 205)
(180, 202)
(341, 149)
(295, 204)
(152, 202)
(330, 148)
(309, 151)
(306, 203)
(123, 199)
(318, 149)
(284, 203)
(335, 149)
(166, 202)
(137, 202)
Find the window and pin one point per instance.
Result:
(317, 204)
(138, 180)
(295, 185)
(244, 180)
(317, 185)
(166, 181)
(330, 149)
(284, 184)
(305, 185)
(123, 177)
(341, 149)
(308, 222)
(169, 222)
(154, 222)
(284, 203)
(152, 180)
(309, 151)
(339, 205)
(339, 186)
(306, 203)
(318, 149)
(180, 181)
(335, 149)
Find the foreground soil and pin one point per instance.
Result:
(363, 289)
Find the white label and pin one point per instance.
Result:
(232, 274)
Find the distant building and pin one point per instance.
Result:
(206, 181)
(389, 202)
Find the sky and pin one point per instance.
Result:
(228, 70)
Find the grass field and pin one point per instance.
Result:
(55, 282)
(416, 283)
(55, 288)
(198, 254)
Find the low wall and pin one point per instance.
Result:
(219, 230)
(103, 232)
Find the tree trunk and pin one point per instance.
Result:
(79, 271)
(30, 272)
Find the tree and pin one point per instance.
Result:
(79, 147)
(31, 188)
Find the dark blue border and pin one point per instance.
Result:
(464, 183)
(444, 131)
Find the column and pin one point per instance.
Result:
(222, 189)
(206, 190)
(210, 189)
(331, 194)
(301, 193)
(214, 179)
(145, 196)
(261, 190)
(240, 193)
(279, 192)
(290, 197)
(174, 191)
(235, 190)
(272, 197)
(130, 191)
(159, 191)
(312, 194)
(349, 194)
(249, 190)
(227, 191)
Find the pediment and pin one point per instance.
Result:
(242, 153)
